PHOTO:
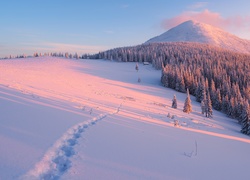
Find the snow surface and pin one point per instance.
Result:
(91, 119)
(193, 31)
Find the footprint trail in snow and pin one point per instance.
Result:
(57, 159)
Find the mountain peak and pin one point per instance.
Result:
(194, 31)
(191, 22)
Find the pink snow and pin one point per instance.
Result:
(91, 119)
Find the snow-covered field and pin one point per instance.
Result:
(91, 119)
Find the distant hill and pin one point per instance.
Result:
(193, 31)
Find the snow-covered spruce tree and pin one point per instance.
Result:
(187, 105)
(208, 106)
(225, 104)
(200, 90)
(245, 122)
(239, 109)
(212, 90)
(174, 102)
(217, 101)
(180, 85)
(203, 102)
(231, 108)
(164, 78)
(137, 67)
(203, 107)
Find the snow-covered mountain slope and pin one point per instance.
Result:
(91, 119)
(193, 31)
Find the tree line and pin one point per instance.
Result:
(54, 54)
(217, 77)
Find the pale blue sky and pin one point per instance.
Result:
(29, 26)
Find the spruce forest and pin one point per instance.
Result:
(215, 76)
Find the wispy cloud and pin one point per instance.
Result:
(198, 5)
(234, 23)
(205, 16)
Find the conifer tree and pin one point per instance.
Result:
(187, 105)
(200, 90)
(217, 101)
(225, 104)
(164, 78)
(231, 108)
(174, 102)
(179, 85)
(137, 67)
(206, 84)
(213, 92)
(208, 106)
(202, 107)
(182, 85)
(245, 122)
(203, 102)
(239, 109)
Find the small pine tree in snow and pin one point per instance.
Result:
(202, 107)
(176, 122)
(174, 102)
(187, 105)
(137, 67)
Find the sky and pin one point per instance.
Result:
(29, 26)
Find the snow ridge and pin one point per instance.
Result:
(57, 159)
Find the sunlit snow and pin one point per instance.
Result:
(91, 119)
